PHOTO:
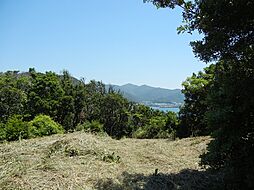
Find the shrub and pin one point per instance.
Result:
(166, 135)
(153, 132)
(2, 132)
(79, 127)
(140, 133)
(111, 158)
(43, 125)
(93, 127)
(156, 128)
(16, 129)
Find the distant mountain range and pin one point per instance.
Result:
(146, 93)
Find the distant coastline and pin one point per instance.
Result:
(169, 106)
(162, 105)
(173, 109)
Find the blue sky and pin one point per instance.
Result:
(113, 41)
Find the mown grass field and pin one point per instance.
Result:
(85, 161)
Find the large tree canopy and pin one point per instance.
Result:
(227, 28)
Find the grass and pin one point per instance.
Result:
(85, 161)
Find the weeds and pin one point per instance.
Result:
(111, 158)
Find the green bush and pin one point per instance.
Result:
(2, 132)
(153, 132)
(93, 127)
(43, 125)
(140, 133)
(79, 127)
(15, 129)
(168, 134)
(156, 128)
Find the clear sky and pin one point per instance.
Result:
(114, 41)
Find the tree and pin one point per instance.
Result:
(193, 113)
(44, 95)
(227, 27)
(140, 115)
(66, 102)
(79, 103)
(171, 121)
(12, 94)
(231, 116)
(114, 115)
(12, 102)
(95, 91)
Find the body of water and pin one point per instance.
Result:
(176, 110)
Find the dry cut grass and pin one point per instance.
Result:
(85, 161)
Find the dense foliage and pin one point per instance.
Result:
(192, 115)
(43, 125)
(16, 128)
(225, 104)
(37, 104)
(93, 127)
(231, 116)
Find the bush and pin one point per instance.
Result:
(79, 127)
(93, 127)
(140, 133)
(2, 132)
(153, 132)
(15, 129)
(43, 125)
(156, 128)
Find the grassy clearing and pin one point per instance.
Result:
(85, 161)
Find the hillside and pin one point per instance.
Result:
(85, 161)
(147, 93)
